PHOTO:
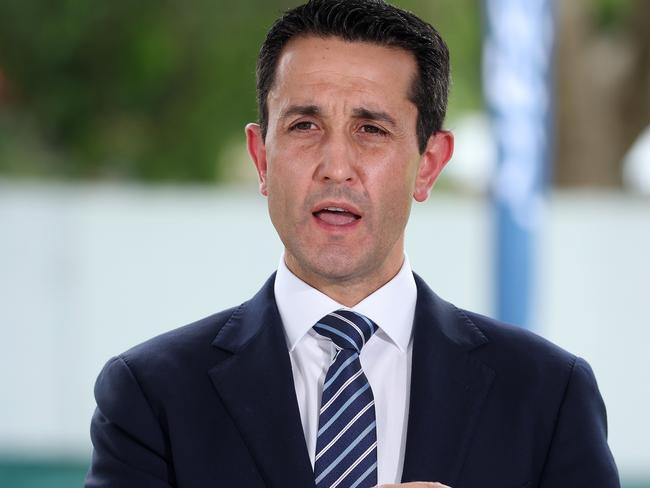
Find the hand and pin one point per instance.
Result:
(416, 484)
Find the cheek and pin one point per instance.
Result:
(287, 164)
(397, 205)
(394, 207)
(287, 191)
(394, 184)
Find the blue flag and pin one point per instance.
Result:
(517, 67)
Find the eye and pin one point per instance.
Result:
(302, 126)
(373, 129)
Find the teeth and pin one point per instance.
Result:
(335, 209)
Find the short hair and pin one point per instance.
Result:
(365, 21)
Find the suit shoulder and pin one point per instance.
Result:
(187, 344)
(510, 347)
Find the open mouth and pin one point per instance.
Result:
(336, 216)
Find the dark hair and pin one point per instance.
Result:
(366, 21)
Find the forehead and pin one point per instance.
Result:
(319, 70)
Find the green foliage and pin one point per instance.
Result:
(154, 90)
(611, 15)
(459, 23)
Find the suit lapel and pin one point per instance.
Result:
(448, 387)
(256, 386)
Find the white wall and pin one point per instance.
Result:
(88, 271)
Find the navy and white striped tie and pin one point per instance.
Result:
(346, 445)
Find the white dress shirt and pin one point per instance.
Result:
(385, 359)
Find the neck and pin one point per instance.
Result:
(350, 290)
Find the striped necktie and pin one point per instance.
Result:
(346, 444)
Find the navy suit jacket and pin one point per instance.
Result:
(213, 404)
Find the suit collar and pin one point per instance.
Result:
(433, 314)
(245, 324)
(255, 384)
(448, 388)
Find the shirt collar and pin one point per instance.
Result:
(391, 307)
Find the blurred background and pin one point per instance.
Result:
(126, 195)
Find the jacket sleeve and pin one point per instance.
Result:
(579, 455)
(129, 448)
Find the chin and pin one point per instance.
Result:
(335, 266)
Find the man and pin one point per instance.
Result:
(346, 369)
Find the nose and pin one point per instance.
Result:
(337, 163)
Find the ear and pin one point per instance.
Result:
(257, 151)
(440, 147)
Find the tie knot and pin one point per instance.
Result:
(347, 329)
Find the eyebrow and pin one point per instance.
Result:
(300, 110)
(364, 113)
(359, 113)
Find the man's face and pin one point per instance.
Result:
(340, 162)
